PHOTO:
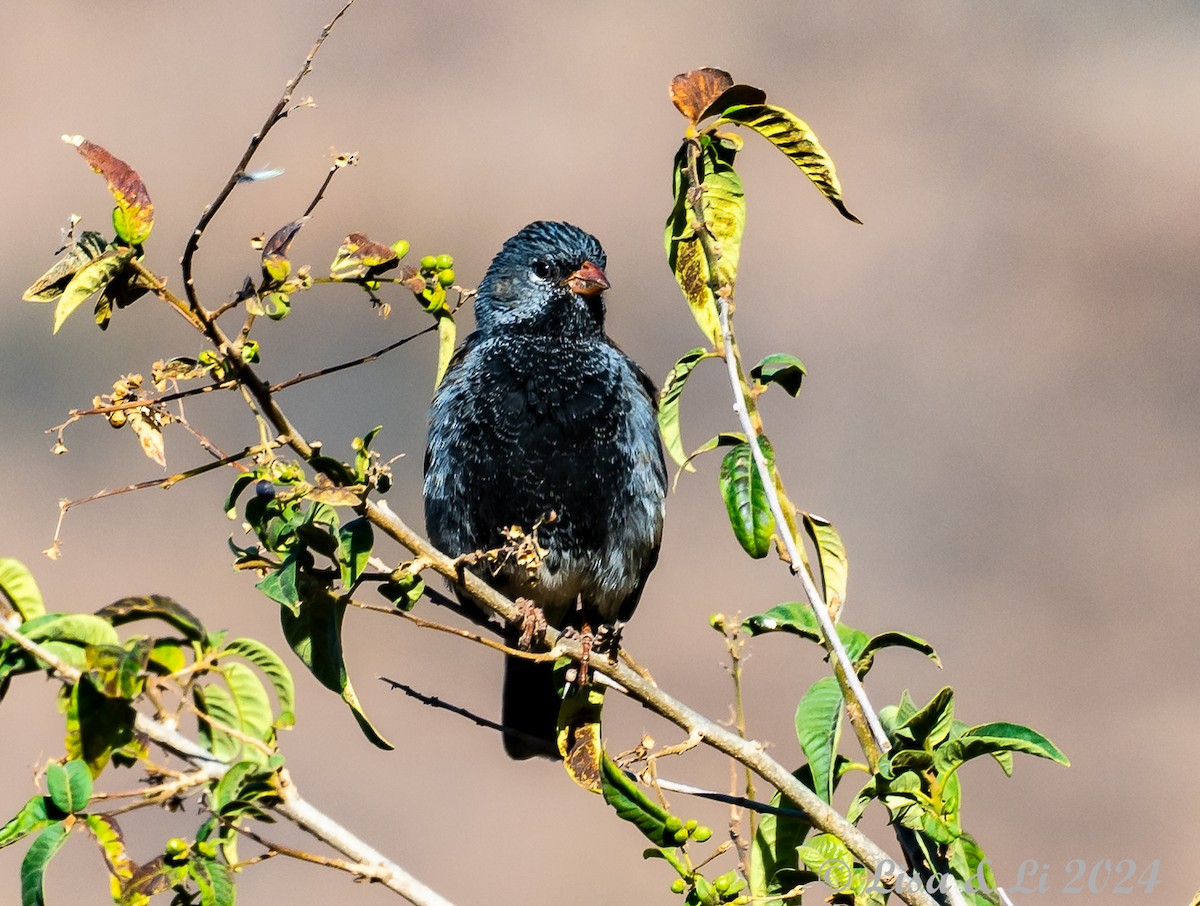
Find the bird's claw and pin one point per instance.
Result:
(532, 622)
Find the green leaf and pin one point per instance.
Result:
(70, 785)
(244, 480)
(96, 725)
(746, 500)
(90, 279)
(216, 702)
(989, 739)
(18, 587)
(668, 403)
(154, 607)
(797, 141)
(969, 863)
(797, 617)
(818, 728)
(315, 634)
(780, 368)
(930, 726)
(828, 857)
(33, 866)
(214, 880)
(633, 805)
(831, 558)
(724, 439)
(247, 708)
(33, 816)
(892, 639)
(90, 246)
(355, 540)
(281, 585)
(270, 664)
(134, 215)
(77, 628)
(774, 861)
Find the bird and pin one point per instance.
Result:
(541, 422)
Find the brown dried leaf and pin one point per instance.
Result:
(136, 210)
(693, 92)
(149, 434)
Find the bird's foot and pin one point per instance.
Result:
(532, 621)
(589, 641)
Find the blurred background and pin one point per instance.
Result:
(999, 416)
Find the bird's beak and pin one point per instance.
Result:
(589, 280)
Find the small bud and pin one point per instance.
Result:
(400, 247)
(428, 263)
(702, 834)
(679, 885)
(444, 262)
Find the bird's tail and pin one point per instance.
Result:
(530, 709)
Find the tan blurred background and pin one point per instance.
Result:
(1000, 414)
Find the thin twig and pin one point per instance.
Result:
(354, 363)
(277, 113)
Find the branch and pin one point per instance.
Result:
(365, 860)
(748, 752)
(846, 674)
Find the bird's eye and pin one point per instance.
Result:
(541, 268)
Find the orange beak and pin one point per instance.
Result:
(589, 280)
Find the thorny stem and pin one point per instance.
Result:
(871, 736)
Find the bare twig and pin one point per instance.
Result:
(280, 111)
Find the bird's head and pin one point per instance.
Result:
(548, 278)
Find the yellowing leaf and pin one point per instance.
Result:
(668, 403)
(831, 557)
(50, 285)
(275, 263)
(90, 279)
(794, 138)
(133, 217)
(360, 256)
(446, 335)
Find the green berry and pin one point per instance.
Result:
(691, 824)
(446, 277)
(428, 263)
(678, 885)
(680, 836)
(721, 884)
(445, 262)
(672, 824)
(400, 247)
(702, 834)
(177, 847)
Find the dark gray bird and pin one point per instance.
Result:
(541, 421)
